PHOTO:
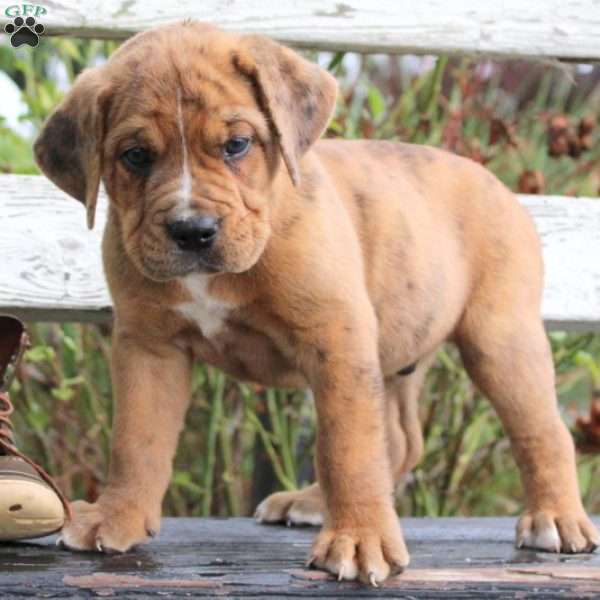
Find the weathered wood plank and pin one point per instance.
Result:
(51, 266)
(451, 558)
(564, 29)
(570, 232)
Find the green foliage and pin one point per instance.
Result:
(15, 153)
(242, 441)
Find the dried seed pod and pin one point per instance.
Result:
(558, 132)
(586, 125)
(367, 128)
(558, 145)
(589, 426)
(574, 144)
(586, 141)
(531, 182)
(424, 126)
(501, 130)
(475, 152)
(595, 410)
(558, 123)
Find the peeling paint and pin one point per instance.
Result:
(113, 581)
(124, 11)
(341, 10)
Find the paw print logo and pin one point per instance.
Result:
(24, 31)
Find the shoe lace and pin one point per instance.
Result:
(7, 442)
(6, 427)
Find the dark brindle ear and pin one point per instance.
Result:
(68, 149)
(296, 95)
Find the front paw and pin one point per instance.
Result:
(370, 554)
(107, 526)
(556, 532)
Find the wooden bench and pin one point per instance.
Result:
(51, 271)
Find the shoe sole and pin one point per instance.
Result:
(28, 509)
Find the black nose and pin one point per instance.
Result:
(195, 233)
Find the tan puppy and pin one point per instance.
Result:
(235, 238)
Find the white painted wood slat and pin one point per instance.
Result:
(565, 29)
(50, 266)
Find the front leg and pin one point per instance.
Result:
(361, 536)
(151, 384)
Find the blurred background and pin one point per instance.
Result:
(533, 124)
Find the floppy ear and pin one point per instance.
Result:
(69, 147)
(296, 95)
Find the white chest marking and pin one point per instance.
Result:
(185, 188)
(208, 313)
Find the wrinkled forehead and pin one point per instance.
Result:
(185, 68)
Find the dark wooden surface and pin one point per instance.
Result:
(451, 558)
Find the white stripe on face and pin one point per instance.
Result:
(185, 190)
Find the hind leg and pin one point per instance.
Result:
(509, 358)
(405, 446)
(404, 431)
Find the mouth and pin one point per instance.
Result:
(204, 266)
(179, 263)
(206, 261)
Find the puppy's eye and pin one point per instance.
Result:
(137, 159)
(236, 147)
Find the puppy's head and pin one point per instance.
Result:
(188, 126)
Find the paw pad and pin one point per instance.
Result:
(24, 31)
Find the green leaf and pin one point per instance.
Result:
(376, 102)
(336, 61)
(40, 354)
(64, 394)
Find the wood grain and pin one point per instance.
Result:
(564, 29)
(570, 232)
(237, 558)
(51, 265)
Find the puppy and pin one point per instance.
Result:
(236, 238)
